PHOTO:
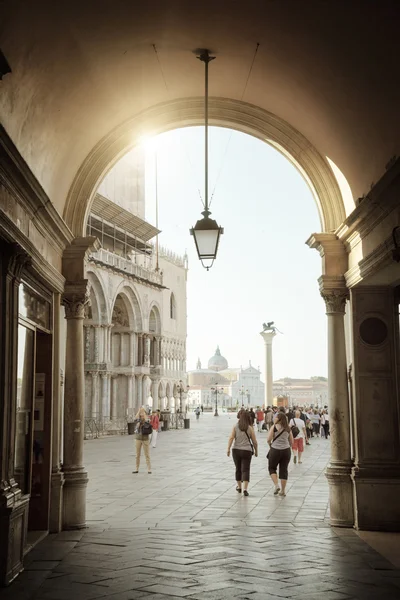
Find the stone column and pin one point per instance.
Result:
(121, 349)
(57, 477)
(333, 289)
(105, 397)
(76, 295)
(87, 343)
(139, 390)
(140, 349)
(131, 399)
(94, 399)
(132, 360)
(146, 352)
(96, 333)
(114, 397)
(268, 337)
(339, 469)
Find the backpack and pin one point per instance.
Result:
(146, 428)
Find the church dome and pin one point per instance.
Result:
(217, 362)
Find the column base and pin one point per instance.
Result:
(13, 526)
(376, 498)
(340, 495)
(56, 502)
(74, 499)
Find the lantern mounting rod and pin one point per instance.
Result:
(206, 59)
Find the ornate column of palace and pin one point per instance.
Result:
(140, 348)
(76, 295)
(268, 337)
(105, 396)
(335, 294)
(131, 394)
(94, 395)
(114, 396)
(139, 391)
(132, 358)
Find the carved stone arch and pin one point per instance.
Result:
(223, 112)
(155, 318)
(133, 306)
(98, 305)
(168, 389)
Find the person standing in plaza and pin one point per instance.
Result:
(260, 418)
(142, 434)
(281, 440)
(316, 421)
(325, 423)
(268, 417)
(244, 443)
(155, 422)
(298, 441)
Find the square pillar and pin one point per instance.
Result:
(376, 472)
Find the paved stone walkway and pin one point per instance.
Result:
(184, 532)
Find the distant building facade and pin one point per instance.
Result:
(313, 391)
(238, 386)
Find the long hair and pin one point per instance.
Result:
(282, 420)
(244, 421)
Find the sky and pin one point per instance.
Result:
(264, 271)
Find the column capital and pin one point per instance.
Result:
(75, 297)
(334, 292)
(268, 336)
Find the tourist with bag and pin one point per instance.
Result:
(298, 428)
(143, 430)
(280, 439)
(245, 445)
(154, 422)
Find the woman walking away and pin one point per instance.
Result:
(298, 440)
(280, 439)
(244, 440)
(143, 431)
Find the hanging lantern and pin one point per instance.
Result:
(206, 232)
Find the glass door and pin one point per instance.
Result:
(24, 422)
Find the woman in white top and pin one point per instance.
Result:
(298, 442)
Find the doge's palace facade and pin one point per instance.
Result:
(135, 322)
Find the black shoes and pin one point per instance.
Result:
(246, 493)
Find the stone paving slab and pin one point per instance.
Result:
(184, 532)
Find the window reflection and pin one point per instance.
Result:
(24, 407)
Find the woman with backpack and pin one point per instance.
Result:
(143, 431)
(245, 444)
(280, 439)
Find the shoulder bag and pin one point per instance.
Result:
(251, 443)
(275, 438)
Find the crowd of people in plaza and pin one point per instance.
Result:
(288, 431)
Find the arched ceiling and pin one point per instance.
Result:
(80, 69)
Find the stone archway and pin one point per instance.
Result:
(224, 112)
